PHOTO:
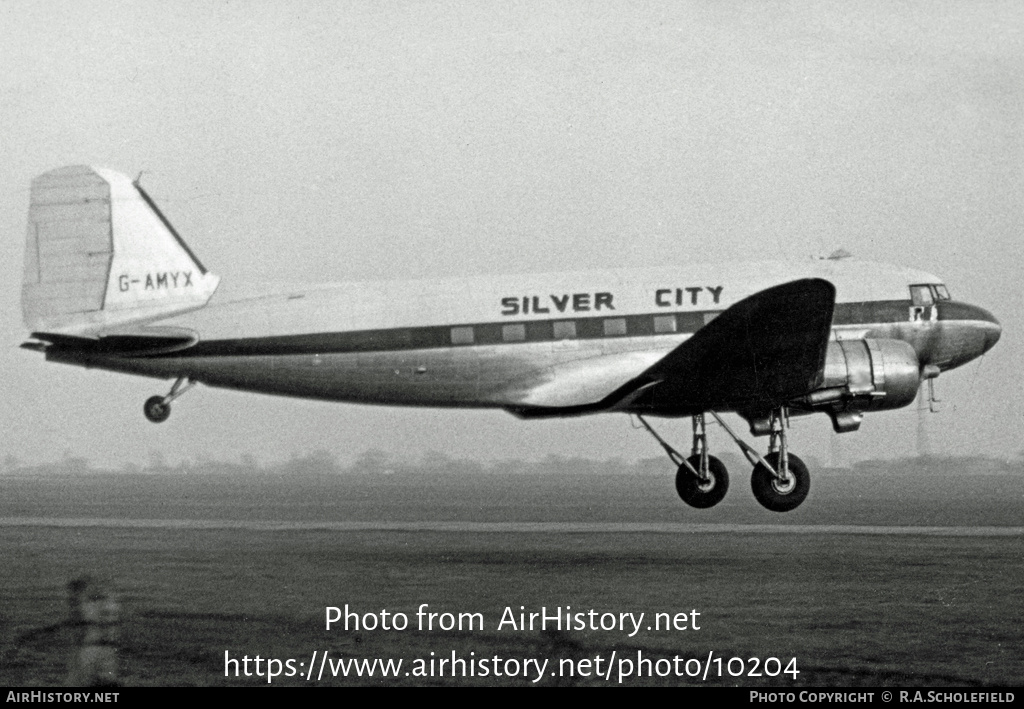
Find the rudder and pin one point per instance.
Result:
(99, 255)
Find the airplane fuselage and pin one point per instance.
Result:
(109, 283)
(513, 342)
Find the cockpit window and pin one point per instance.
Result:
(921, 295)
(940, 292)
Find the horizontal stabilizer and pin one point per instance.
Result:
(135, 342)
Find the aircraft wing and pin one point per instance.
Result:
(578, 386)
(764, 350)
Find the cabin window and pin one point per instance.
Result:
(462, 336)
(614, 326)
(921, 295)
(565, 330)
(940, 292)
(538, 331)
(689, 322)
(664, 323)
(513, 333)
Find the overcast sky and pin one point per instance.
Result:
(319, 142)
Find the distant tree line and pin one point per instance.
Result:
(379, 462)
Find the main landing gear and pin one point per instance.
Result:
(158, 408)
(780, 480)
(701, 479)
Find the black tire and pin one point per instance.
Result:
(696, 493)
(156, 410)
(774, 496)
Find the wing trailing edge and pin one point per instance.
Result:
(763, 351)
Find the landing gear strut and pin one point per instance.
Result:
(780, 481)
(780, 495)
(701, 480)
(158, 408)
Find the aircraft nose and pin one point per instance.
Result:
(992, 334)
(977, 329)
(991, 329)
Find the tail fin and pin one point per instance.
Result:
(100, 255)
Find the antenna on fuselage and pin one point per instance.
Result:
(923, 406)
(837, 255)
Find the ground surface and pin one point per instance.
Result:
(878, 579)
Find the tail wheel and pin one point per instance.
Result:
(698, 493)
(156, 410)
(776, 495)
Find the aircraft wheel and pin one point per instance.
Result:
(776, 496)
(156, 410)
(698, 493)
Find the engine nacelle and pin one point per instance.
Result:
(883, 374)
(860, 375)
(866, 375)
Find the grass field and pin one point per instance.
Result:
(908, 608)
